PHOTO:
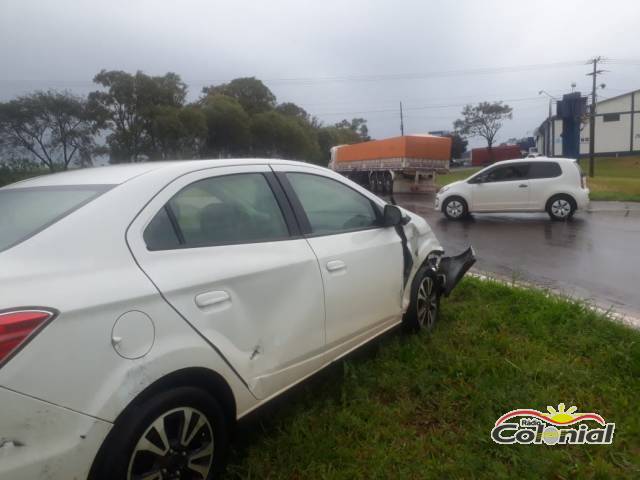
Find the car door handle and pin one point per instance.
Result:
(215, 297)
(523, 185)
(335, 265)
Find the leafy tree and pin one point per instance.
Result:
(228, 126)
(179, 132)
(57, 129)
(127, 106)
(357, 125)
(483, 120)
(276, 135)
(254, 96)
(458, 144)
(293, 110)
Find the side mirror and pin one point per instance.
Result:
(392, 216)
(480, 179)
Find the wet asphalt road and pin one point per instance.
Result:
(594, 256)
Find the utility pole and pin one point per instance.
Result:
(592, 114)
(548, 140)
(401, 121)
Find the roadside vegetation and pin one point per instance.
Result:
(616, 178)
(423, 406)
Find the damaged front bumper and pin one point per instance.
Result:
(451, 269)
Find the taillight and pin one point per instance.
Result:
(17, 326)
(583, 183)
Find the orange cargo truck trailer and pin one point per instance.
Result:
(406, 164)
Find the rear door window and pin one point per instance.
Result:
(508, 173)
(544, 170)
(27, 211)
(229, 209)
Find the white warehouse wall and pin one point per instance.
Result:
(556, 147)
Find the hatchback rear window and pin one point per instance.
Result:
(27, 211)
(540, 169)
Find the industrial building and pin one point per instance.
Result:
(617, 127)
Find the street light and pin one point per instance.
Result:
(548, 142)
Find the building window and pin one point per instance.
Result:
(611, 117)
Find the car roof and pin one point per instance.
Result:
(534, 159)
(117, 174)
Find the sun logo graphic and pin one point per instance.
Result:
(561, 426)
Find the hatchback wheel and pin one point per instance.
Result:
(425, 301)
(177, 435)
(455, 208)
(561, 207)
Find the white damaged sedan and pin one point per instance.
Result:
(145, 308)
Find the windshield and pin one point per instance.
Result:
(27, 211)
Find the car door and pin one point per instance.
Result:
(502, 188)
(543, 178)
(361, 262)
(223, 248)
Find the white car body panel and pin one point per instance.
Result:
(271, 328)
(83, 266)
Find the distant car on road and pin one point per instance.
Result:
(554, 185)
(144, 308)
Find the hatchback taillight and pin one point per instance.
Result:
(17, 326)
(583, 181)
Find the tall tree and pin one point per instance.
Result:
(254, 96)
(127, 105)
(358, 126)
(458, 144)
(228, 126)
(179, 132)
(483, 120)
(276, 135)
(55, 128)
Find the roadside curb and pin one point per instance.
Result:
(609, 313)
(612, 206)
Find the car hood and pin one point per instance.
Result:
(452, 185)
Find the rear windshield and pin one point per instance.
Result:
(26, 211)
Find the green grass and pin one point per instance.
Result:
(615, 178)
(423, 406)
(455, 175)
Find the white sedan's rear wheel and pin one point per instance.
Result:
(178, 434)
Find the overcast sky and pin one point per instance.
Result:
(336, 58)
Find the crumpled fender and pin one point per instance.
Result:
(452, 269)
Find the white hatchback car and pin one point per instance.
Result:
(554, 185)
(145, 308)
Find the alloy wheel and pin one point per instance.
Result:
(427, 303)
(560, 208)
(455, 208)
(178, 445)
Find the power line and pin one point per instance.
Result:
(341, 78)
(425, 107)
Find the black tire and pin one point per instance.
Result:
(373, 182)
(387, 181)
(561, 207)
(455, 208)
(171, 409)
(416, 319)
